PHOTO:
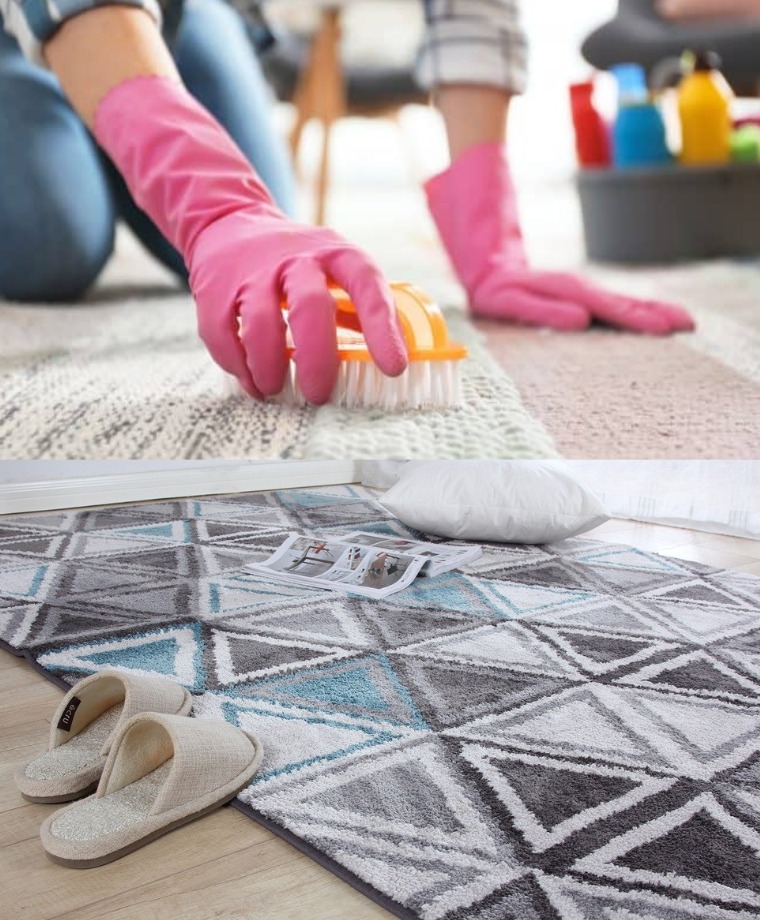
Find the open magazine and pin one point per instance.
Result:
(441, 557)
(361, 567)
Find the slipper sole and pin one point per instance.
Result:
(112, 856)
(138, 844)
(64, 797)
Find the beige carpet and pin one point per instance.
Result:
(124, 376)
(607, 395)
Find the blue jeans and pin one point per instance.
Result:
(60, 197)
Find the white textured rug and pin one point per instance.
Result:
(125, 376)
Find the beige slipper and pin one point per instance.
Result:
(162, 772)
(82, 729)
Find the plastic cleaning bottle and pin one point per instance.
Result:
(704, 107)
(592, 143)
(638, 134)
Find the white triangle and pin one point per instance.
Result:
(632, 559)
(530, 597)
(702, 622)
(225, 667)
(291, 740)
(504, 646)
(150, 532)
(223, 596)
(705, 726)
(716, 597)
(614, 617)
(564, 638)
(578, 724)
(27, 581)
(98, 544)
(655, 675)
(541, 838)
(397, 881)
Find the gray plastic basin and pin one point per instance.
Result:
(670, 214)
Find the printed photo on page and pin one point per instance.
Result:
(305, 557)
(366, 570)
(442, 557)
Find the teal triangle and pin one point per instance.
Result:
(165, 531)
(348, 688)
(159, 656)
(450, 591)
(154, 530)
(355, 687)
(306, 499)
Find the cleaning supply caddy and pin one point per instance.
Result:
(700, 200)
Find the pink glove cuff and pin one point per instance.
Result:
(474, 205)
(179, 163)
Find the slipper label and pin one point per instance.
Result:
(64, 723)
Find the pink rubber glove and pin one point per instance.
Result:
(475, 209)
(243, 255)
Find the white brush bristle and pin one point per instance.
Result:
(360, 385)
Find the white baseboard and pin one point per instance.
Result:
(209, 479)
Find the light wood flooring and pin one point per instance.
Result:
(224, 866)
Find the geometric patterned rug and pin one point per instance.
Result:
(568, 731)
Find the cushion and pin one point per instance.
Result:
(638, 33)
(503, 501)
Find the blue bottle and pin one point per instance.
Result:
(638, 134)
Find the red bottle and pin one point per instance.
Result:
(592, 142)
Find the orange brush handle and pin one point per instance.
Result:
(422, 324)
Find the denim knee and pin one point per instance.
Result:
(56, 213)
(54, 254)
(219, 66)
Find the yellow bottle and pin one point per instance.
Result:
(704, 100)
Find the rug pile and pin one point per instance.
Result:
(567, 731)
(125, 375)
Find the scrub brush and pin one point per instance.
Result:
(432, 379)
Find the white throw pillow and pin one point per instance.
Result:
(505, 501)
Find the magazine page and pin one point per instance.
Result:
(366, 570)
(441, 557)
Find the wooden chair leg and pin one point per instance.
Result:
(303, 101)
(321, 94)
(331, 101)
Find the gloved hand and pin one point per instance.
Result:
(244, 256)
(475, 209)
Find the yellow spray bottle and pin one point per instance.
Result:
(704, 100)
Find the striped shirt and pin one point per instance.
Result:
(465, 41)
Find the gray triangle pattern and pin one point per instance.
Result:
(451, 693)
(560, 732)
